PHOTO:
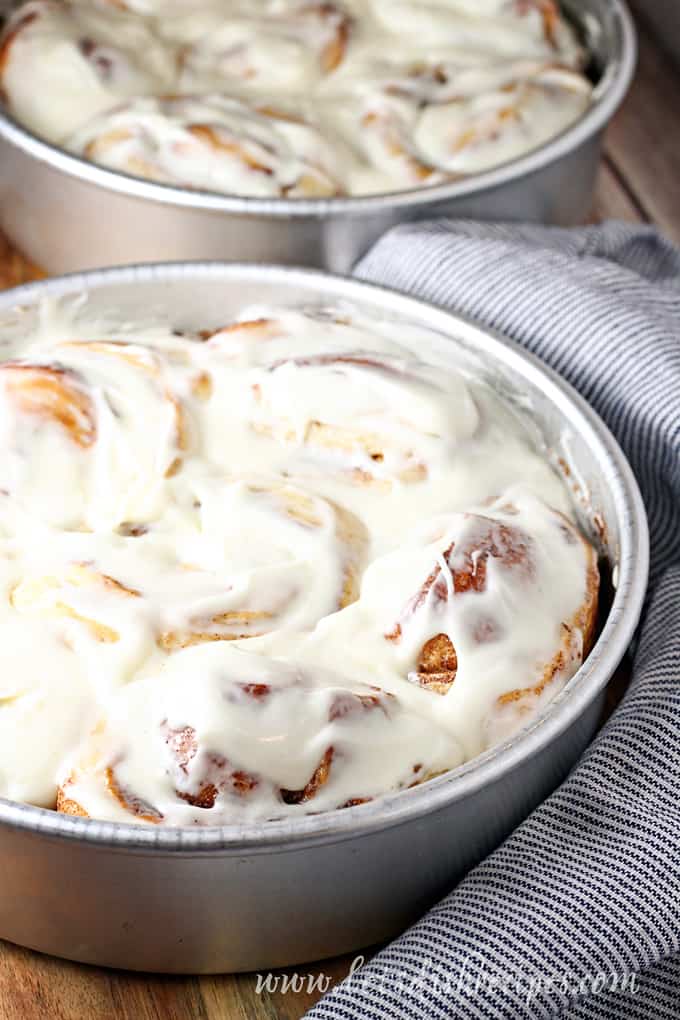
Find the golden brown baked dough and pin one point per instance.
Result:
(47, 391)
(218, 776)
(511, 548)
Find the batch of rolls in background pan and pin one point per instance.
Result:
(295, 98)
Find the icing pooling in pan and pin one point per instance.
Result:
(295, 98)
(281, 566)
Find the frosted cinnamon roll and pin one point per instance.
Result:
(485, 614)
(511, 595)
(289, 46)
(61, 64)
(271, 565)
(500, 29)
(216, 144)
(374, 416)
(467, 135)
(46, 705)
(295, 98)
(227, 560)
(433, 121)
(248, 739)
(88, 430)
(287, 558)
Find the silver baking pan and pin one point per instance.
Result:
(256, 896)
(66, 214)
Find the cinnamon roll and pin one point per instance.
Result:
(376, 417)
(214, 143)
(250, 738)
(46, 704)
(437, 120)
(467, 135)
(508, 593)
(478, 620)
(499, 29)
(304, 562)
(289, 46)
(72, 415)
(229, 560)
(62, 63)
(295, 98)
(276, 565)
(60, 595)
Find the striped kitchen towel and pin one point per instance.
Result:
(577, 915)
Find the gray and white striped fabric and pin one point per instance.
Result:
(577, 915)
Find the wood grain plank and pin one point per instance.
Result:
(284, 994)
(643, 140)
(146, 997)
(661, 18)
(233, 997)
(613, 200)
(33, 985)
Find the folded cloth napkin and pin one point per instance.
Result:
(577, 914)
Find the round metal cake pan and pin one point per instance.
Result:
(256, 896)
(66, 214)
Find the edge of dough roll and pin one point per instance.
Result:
(282, 566)
(295, 98)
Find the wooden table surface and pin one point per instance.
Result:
(639, 182)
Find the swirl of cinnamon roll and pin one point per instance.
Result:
(228, 560)
(385, 125)
(214, 143)
(512, 593)
(372, 416)
(63, 63)
(249, 738)
(88, 429)
(288, 46)
(503, 28)
(436, 120)
(505, 116)
(275, 582)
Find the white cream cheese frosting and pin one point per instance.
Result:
(295, 98)
(280, 566)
